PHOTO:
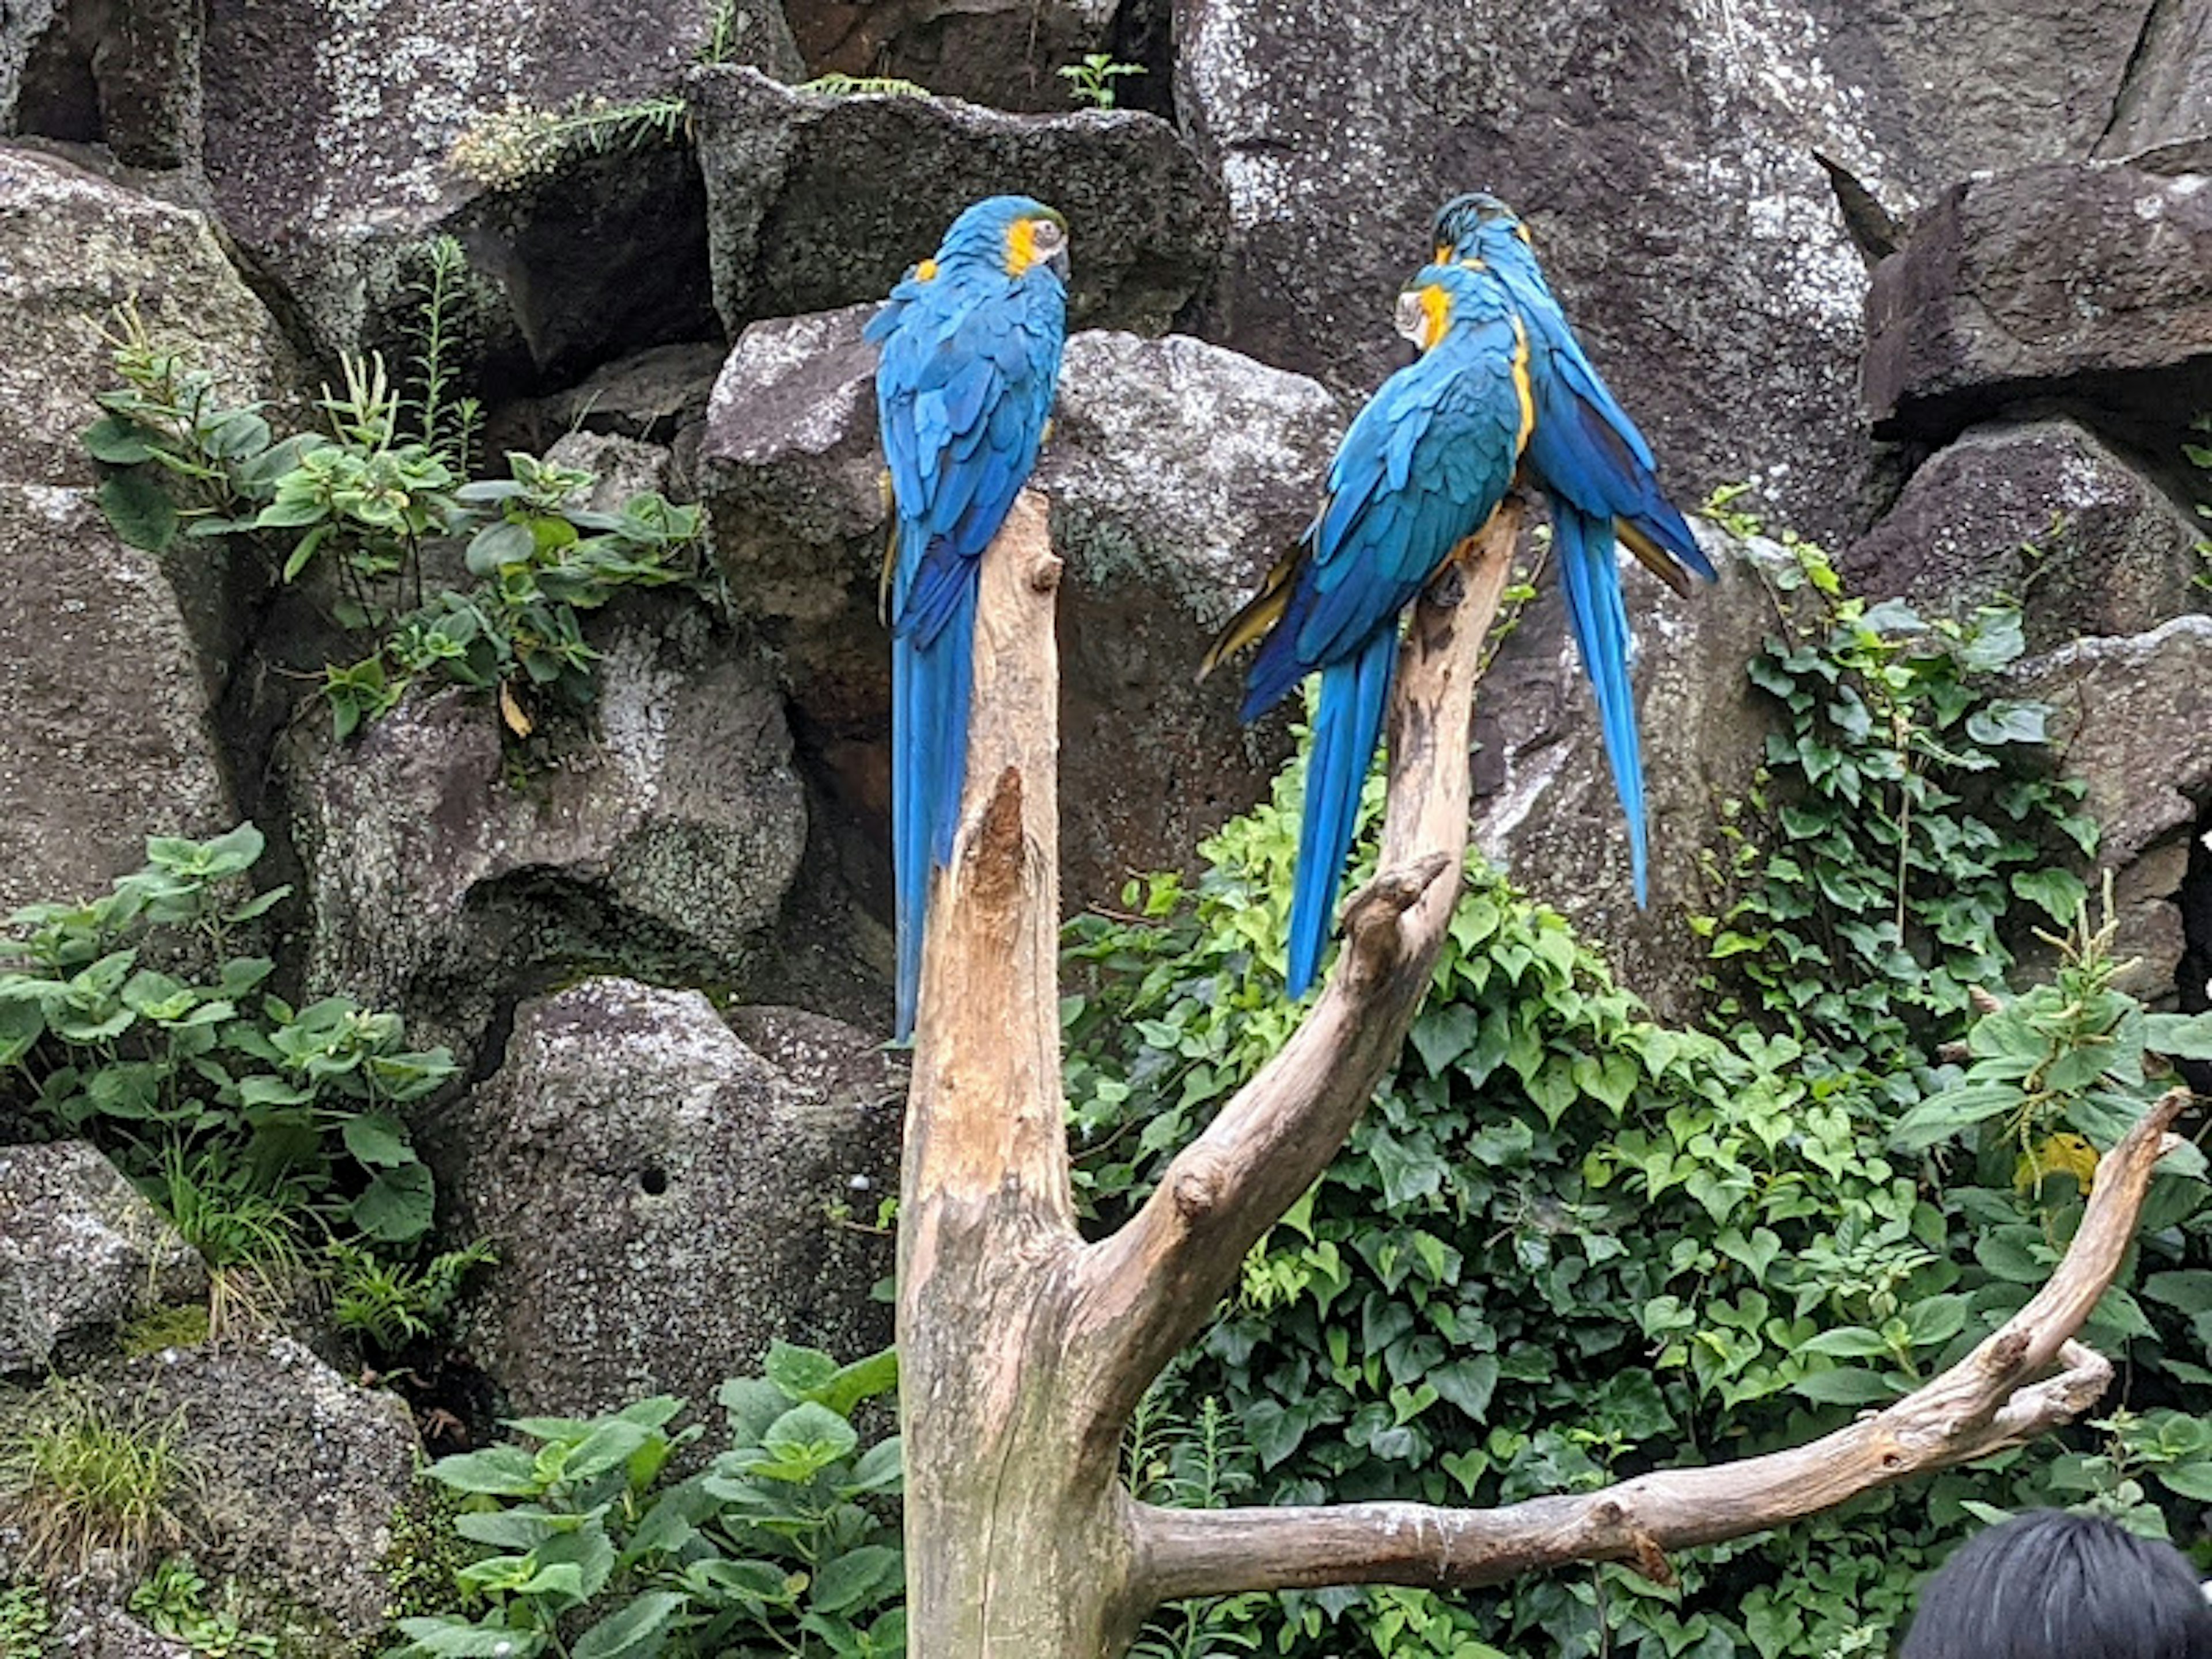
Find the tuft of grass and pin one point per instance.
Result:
(249, 1239)
(82, 1476)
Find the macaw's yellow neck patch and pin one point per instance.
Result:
(1021, 246)
(1521, 386)
(1436, 314)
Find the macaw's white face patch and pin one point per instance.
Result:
(1031, 241)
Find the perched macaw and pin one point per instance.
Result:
(1593, 464)
(971, 343)
(1422, 469)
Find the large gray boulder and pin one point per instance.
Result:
(2133, 719)
(121, 73)
(2044, 512)
(110, 660)
(817, 200)
(1663, 154)
(1544, 804)
(299, 1470)
(331, 130)
(667, 1198)
(437, 880)
(80, 1252)
(1989, 305)
(73, 248)
(108, 737)
(1003, 53)
(1177, 473)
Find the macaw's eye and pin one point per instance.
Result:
(1050, 237)
(1409, 320)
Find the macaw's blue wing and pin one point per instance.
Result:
(1422, 469)
(1587, 450)
(969, 360)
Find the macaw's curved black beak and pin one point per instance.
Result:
(1058, 260)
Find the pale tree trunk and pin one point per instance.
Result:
(1023, 1350)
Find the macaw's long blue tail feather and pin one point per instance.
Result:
(1591, 579)
(1346, 726)
(930, 687)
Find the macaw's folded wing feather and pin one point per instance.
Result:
(970, 357)
(1422, 468)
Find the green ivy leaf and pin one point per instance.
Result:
(397, 1205)
(1847, 1388)
(140, 511)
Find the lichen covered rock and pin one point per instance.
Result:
(437, 879)
(329, 128)
(2046, 510)
(2132, 719)
(1177, 473)
(816, 201)
(73, 247)
(80, 1252)
(1544, 802)
(299, 1471)
(1990, 304)
(107, 737)
(666, 1199)
(999, 52)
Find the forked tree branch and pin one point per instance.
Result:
(1142, 1294)
(1991, 1399)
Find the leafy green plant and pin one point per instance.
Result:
(1091, 80)
(26, 1616)
(254, 1123)
(1567, 1244)
(82, 1475)
(1197, 1462)
(173, 1602)
(388, 1305)
(863, 86)
(784, 1542)
(1898, 817)
(366, 498)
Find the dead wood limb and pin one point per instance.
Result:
(1988, 1401)
(1142, 1294)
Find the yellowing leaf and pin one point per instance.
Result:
(2059, 1154)
(511, 712)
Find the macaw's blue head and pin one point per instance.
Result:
(1445, 297)
(1475, 225)
(1014, 234)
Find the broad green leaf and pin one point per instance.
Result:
(457, 1638)
(378, 1140)
(498, 1471)
(397, 1205)
(119, 441)
(1847, 1388)
(847, 1581)
(141, 514)
(1943, 1115)
(637, 1631)
(2178, 1037)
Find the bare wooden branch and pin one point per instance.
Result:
(983, 1112)
(1988, 1401)
(1142, 1294)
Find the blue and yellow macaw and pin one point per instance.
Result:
(1589, 459)
(971, 342)
(1422, 469)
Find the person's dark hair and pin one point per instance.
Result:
(2050, 1585)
